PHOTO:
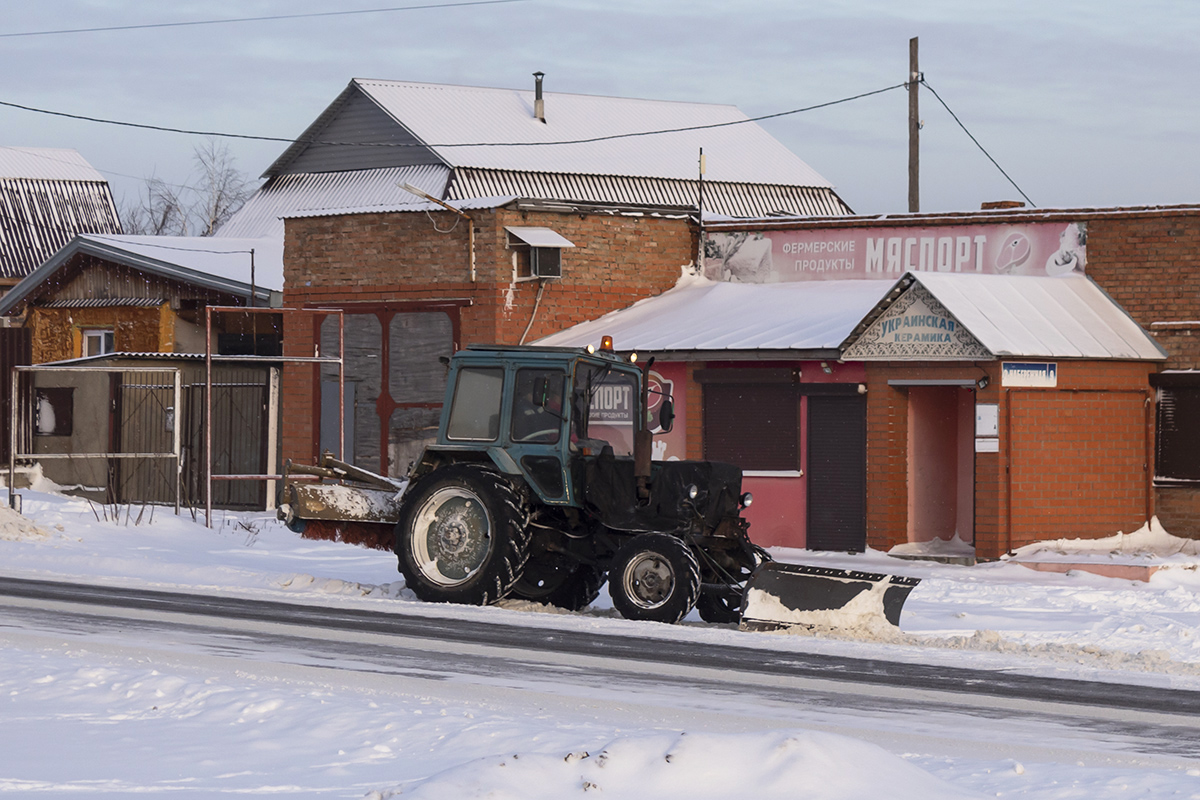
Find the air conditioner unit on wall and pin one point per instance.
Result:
(545, 262)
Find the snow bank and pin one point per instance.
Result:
(16, 528)
(815, 766)
(1151, 542)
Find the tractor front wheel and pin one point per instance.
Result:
(654, 577)
(462, 536)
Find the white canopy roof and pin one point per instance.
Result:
(1011, 316)
(698, 314)
(1031, 316)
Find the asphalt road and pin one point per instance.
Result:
(642, 655)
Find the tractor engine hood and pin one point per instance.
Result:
(611, 495)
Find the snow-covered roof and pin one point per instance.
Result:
(1011, 316)
(467, 126)
(1031, 316)
(451, 118)
(221, 264)
(310, 194)
(699, 314)
(46, 164)
(406, 207)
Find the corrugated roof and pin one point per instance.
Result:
(37, 217)
(290, 195)
(455, 120)
(729, 199)
(418, 207)
(705, 315)
(1027, 316)
(46, 164)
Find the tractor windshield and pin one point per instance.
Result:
(605, 408)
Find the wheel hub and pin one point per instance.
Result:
(649, 580)
(453, 536)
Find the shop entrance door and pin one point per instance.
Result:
(941, 463)
(837, 473)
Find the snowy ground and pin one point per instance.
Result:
(99, 720)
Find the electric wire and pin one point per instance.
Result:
(590, 140)
(976, 141)
(257, 19)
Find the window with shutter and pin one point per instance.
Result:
(754, 426)
(1177, 457)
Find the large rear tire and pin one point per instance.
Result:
(462, 536)
(654, 577)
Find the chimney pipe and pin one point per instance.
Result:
(539, 105)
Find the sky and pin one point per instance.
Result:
(1082, 104)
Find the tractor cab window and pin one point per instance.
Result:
(605, 408)
(537, 414)
(475, 411)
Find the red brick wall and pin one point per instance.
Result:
(1148, 263)
(402, 257)
(1073, 461)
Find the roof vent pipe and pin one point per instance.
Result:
(539, 105)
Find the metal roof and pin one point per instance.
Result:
(1035, 317)
(455, 122)
(46, 164)
(703, 315)
(1011, 316)
(222, 265)
(300, 193)
(38, 216)
(539, 237)
(725, 198)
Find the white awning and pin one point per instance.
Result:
(539, 237)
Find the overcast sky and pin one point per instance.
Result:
(1083, 104)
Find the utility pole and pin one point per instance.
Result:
(914, 131)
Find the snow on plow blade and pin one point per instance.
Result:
(780, 596)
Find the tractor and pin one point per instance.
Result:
(541, 486)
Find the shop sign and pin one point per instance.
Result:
(1029, 374)
(916, 327)
(1037, 248)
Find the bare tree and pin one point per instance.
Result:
(215, 192)
(158, 211)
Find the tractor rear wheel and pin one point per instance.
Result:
(462, 536)
(654, 577)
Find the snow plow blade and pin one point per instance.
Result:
(780, 596)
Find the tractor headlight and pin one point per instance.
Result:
(747, 499)
(693, 491)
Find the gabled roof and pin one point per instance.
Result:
(46, 197)
(1028, 316)
(222, 265)
(465, 126)
(1002, 316)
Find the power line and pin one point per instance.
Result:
(976, 141)
(257, 19)
(610, 137)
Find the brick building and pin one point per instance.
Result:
(524, 185)
(403, 279)
(871, 427)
